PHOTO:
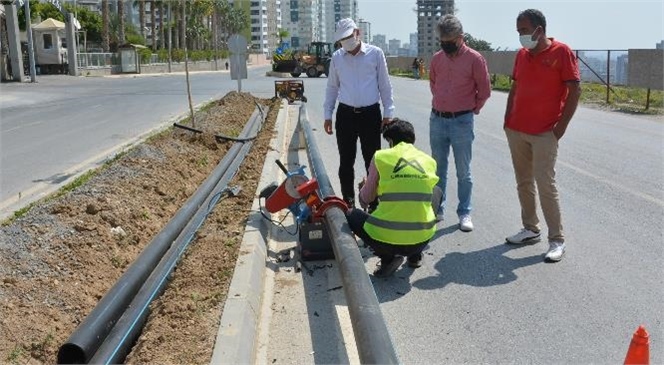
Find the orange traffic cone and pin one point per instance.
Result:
(639, 348)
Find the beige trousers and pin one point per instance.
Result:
(534, 161)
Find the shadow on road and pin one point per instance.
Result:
(486, 267)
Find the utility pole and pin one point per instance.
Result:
(16, 56)
(31, 49)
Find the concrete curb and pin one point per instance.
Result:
(238, 330)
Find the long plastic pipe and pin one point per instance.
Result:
(89, 335)
(119, 341)
(372, 337)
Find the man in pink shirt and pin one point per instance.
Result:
(460, 84)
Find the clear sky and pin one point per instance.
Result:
(585, 24)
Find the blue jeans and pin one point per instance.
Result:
(456, 133)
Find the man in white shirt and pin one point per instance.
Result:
(358, 79)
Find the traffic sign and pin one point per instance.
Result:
(237, 44)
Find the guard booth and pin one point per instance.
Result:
(130, 61)
(50, 46)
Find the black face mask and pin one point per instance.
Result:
(449, 47)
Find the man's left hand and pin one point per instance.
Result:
(385, 122)
(559, 130)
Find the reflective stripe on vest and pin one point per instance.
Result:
(402, 226)
(413, 197)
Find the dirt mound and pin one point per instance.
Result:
(60, 258)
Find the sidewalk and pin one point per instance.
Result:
(274, 314)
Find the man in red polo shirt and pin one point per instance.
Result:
(544, 95)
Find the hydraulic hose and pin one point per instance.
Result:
(372, 337)
(88, 336)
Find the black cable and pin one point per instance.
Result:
(278, 223)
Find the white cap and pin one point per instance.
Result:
(345, 27)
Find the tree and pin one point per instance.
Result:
(231, 19)
(121, 23)
(476, 43)
(281, 34)
(162, 13)
(141, 15)
(153, 24)
(105, 21)
(39, 10)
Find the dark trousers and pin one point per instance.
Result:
(356, 219)
(351, 125)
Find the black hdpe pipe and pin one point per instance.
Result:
(89, 335)
(372, 337)
(119, 341)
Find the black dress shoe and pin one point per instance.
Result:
(415, 261)
(388, 268)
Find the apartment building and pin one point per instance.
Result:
(365, 30)
(265, 20)
(302, 20)
(380, 41)
(336, 10)
(412, 46)
(428, 14)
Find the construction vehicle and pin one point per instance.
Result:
(314, 62)
(291, 90)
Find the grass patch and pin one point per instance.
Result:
(621, 98)
(14, 356)
(407, 74)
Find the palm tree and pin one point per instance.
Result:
(141, 16)
(121, 23)
(105, 20)
(162, 13)
(281, 34)
(153, 24)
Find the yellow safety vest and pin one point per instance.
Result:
(404, 215)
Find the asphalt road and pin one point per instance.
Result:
(475, 300)
(52, 131)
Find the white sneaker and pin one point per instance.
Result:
(556, 251)
(524, 236)
(465, 223)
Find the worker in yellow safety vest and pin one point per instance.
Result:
(403, 179)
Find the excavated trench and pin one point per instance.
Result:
(58, 260)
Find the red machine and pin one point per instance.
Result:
(300, 195)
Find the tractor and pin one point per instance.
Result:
(315, 62)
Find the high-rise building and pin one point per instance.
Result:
(265, 19)
(393, 46)
(659, 45)
(428, 14)
(413, 45)
(302, 20)
(365, 30)
(621, 71)
(336, 10)
(379, 40)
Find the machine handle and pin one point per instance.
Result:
(281, 166)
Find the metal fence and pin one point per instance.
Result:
(107, 60)
(95, 60)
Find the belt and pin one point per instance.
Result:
(358, 110)
(450, 114)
